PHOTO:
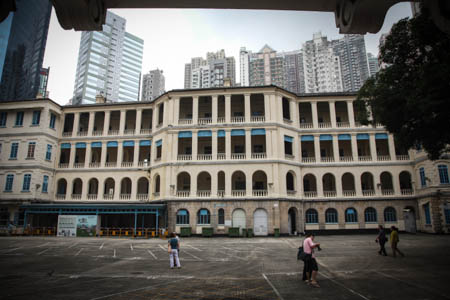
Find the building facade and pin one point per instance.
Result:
(153, 85)
(260, 158)
(23, 36)
(109, 63)
(373, 64)
(266, 68)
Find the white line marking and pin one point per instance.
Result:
(73, 245)
(101, 246)
(165, 249)
(43, 251)
(184, 251)
(151, 253)
(192, 247)
(79, 251)
(345, 287)
(114, 256)
(131, 247)
(43, 245)
(10, 250)
(273, 287)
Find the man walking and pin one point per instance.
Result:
(173, 251)
(381, 239)
(394, 241)
(311, 267)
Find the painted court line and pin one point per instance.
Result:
(114, 256)
(73, 245)
(273, 287)
(151, 253)
(10, 250)
(79, 251)
(164, 249)
(345, 287)
(101, 247)
(184, 251)
(43, 245)
(131, 247)
(42, 252)
(192, 247)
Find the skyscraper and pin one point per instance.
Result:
(244, 63)
(153, 85)
(109, 62)
(293, 68)
(23, 36)
(266, 68)
(373, 64)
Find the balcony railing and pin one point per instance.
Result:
(183, 194)
(259, 155)
(343, 124)
(257, 119)
(60, 196)
(125, 196)
(127, 164)
(346, 158)
(113, 132)
(108, 196)
(110, 164)
(306, 125)
(144, 163)
(129, 131)
(78, 165)
(184, 157)
(221, 156)
(365, 158)
(94, 165)
(403, 157)
(325, 125)
(407, 191)
(238, 193)
(383, 157)
(203, 121)
(220, 119)
(368, 192)
(310, 194)
(237, 155)
(67, 134)
(97, 132)
(291, 193)
(185, 121)
(220, 193)
(349, 193)
(63, 166)
(237, 119)
(76, 196)
(259, 193)
(146, 130)
(142, 196)
(203, 193)
(329, 194)
(204, 156)
(387, 192)
(92, 196)
(289, 156)
(309, 159)
(82, 133)
(327, 159)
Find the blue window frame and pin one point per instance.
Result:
(9, 182)
(26, 183)
(36, 117)
(426, 209)
(45, 184)
(331, 216)
(422, 177)
(182, 217)
(390, 215)
(447, 215)
(351, 215)
(19, 118)
(52, 121)
(14, 150)
(312, 216)
(370, 215)
(443, 174)
(203, 217)
(48, 154)
(3, 118)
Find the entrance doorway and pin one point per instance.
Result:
(260, 222)
(239, 219)
(409, 215)
(292, 220)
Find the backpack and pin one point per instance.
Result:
(301, 255)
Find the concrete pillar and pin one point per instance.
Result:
(247, 106)
(155, 117)
(279, 108)
(391, 144)
(332, 105)
(176, 110)
(351, 115)
(228, 183)
(138, 121)
(214, 185)
(267, 107)
(103, 154)
(123, 115)
(76, 124)
(338, 181)
(194, 185)
(227, 109)
(174, 139)
(119, 153)
(136, 154)
(214, 144)
(319, 185)
(227, 144)
(87, 159)
(335, 147)
(195, 110)
(317, 147)
(72, 155)
(248, 144)
(91, 123)
(354, 147)
(373, 146)
(248, 184)
(194, 145)
(358, 186)
(269, 151)
(45, 117)
(315, 118)
(106, 122)
(294, 113)
(166, 113)
(214, 109)
(295, 147)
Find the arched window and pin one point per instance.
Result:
(351, 215)
(203, 217)
(390, 215)
(331, 216)
(182, 217)
(221, 216)
(370, 215)
(311, 216)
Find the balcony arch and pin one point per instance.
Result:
(183, 184)
(370, 215)
(125, 188)
(77, 187)
(238, 183)
(142, 188)
(405, 183)
(203, 184)
(259, 183)
(390, 215)
(61, 187)
(387, 187)
(93, 188)
(311, 216)
(367, 185)
(348, 184)
(290, 182)
(309, 185)
(329, 185)
(157, 184)
(109, 187)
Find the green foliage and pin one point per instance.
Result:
(410, 97)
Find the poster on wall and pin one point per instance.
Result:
(86, 225)
(67, 225)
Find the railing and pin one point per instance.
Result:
(92, 196)
(383, 157)
(259, 155)
(203, 121)
(310, 194)
(291, 193)
(407, 191)
(184, 157)
(343, 124)
(365, 158)
(306, 125)
(142, 196)
(237, 155)
(324, 124)
(329, 194)
(368, 192)
(289, 156)
(129, 131)
(220, 119)
(108, 196)
(184, 121)
(238, 193)
(349, 193)
(63, 166)
(113, 132)
(204, 193)
(327, 159)
(110, 164)
(143, 163)
(82, 133)
(259, 193)
(94, 165)
(60, 196)
(183, 194)
(127, 164)
(146, 130)
(78, 165)
(237, 119)
(309, 159)
(387, 191)
(204, 156)
(125, 196)
(221, 156)
(346, 158)
(403, 157)
(220, 193)
(67, 134)
(76, 196)
(379, 125)
(97, 132)
(257, 119)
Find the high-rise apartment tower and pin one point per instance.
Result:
(153, 85)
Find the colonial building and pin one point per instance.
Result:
(249, 157)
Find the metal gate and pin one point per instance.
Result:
(260, 222)
(239, 219)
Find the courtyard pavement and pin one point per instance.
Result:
(221, 268)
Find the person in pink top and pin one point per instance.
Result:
(311, 267)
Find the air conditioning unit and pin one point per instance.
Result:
(111, 191)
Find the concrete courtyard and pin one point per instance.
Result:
(221, 268)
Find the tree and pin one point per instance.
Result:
(411, 96)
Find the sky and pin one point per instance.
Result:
(173, 36)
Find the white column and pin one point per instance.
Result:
(315, 118)
(91, 122)
(317, 147)
(227, 109)
(228, 144)
(214, 109)
(214, 184)
(103, 155)
(194, 185)
(335, 147)
(358, 187)
(319, 185)
(338, 181)
(136, 154)
(166, 114)
(119, 153)
(72, 155)
(138, 121)
(269, 152)
(228, 183)
(354, 147)
(45, 117)
(295, 147)
(123, 114)
(248, 144)
(106, 122)
(373, 146)
(279, 107)
(214, 145)
(396, 184)
(247, 107)
(391, 147)
(87, 158)
(174, 147)
(294, 113)
(76, 124)
(248, 184)
(267, 107)
(195, 110)
(155, 118)
(299, 149)
(194, 145)
(332, 105)
(176, 111)
(351, 115)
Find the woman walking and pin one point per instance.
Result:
(173, 251)
(394, 241)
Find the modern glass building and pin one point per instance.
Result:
(109, 63)
(23, 36)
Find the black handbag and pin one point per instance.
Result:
(301, 255)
